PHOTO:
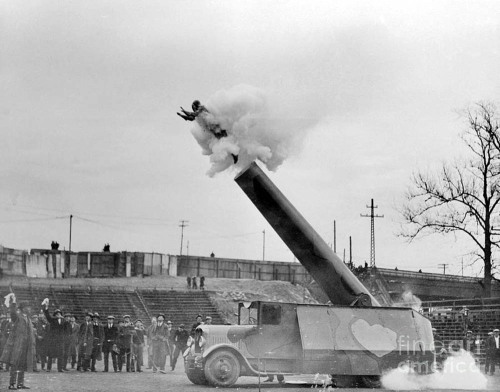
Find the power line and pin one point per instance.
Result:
(126, 217)
(33, 219)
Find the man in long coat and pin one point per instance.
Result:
(85, 343)
(159, 340)
(492, 351)
(19, 348)
(98, 331)
(110, 342)
(56, 337)
(73, 344)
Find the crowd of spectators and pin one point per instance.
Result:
(37, 341)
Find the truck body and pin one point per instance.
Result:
(353, 339)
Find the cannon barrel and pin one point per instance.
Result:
(333, 276)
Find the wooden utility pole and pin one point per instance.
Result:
(183, 224)
(70, 227)
(444, 267)
(263, 244)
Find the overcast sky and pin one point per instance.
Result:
(88, 125)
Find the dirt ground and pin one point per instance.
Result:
(171, 381)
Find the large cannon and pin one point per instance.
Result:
(355, 340)
(338, 282)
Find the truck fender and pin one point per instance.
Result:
(245, 365)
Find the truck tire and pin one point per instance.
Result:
(196, 376)
(222, 368)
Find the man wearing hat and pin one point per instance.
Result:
(85, 342)
(98, 332)
(138, 346)
(181, 338)
(110, 331)
(468, 342)
(171, 341)
(199, 321)
(73, 344)
(492, 351)
(56, 336)
(66, 340)
(125, 333)
(159, 340)
(19, 349)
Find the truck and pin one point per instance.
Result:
(354, 340)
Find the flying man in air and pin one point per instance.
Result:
(200, 114)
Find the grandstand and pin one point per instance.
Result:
(178, 306)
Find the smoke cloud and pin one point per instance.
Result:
(459, 372)
(255, 131)
(409, 300)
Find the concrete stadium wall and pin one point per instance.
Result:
(428, 286)
(211, 267)
(48, 264)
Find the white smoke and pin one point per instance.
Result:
(409, 300)
(459, 372)
(254, 130)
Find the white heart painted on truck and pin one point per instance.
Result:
(375, 338)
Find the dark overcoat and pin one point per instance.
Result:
(491, 347)
(20, 345)
(55, 335)
(86, 338)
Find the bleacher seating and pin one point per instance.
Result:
(451, 324)
(178, 306)
(181, 307)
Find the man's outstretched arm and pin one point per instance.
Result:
(188, 116)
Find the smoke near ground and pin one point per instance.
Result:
(459, 372)
(255, 130)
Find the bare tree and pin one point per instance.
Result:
(463, 197)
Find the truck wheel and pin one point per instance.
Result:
(222, 368)
(371, 381)
(196, 376)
